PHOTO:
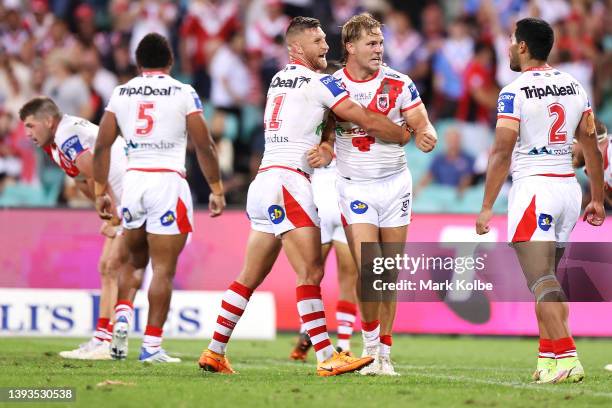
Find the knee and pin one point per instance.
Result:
(312, 274)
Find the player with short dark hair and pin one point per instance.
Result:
(69, 142)
(547, 108)
(154, 113)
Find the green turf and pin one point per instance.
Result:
(436, 371)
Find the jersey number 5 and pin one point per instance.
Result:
(556, 134)
(273, 123)
(146, 119)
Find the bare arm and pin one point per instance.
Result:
(425, 134)
(577, 156)
(506, 133)
(373, 123)
(322, 154)
(85, 164)
(107, 133)
(206, 153)
(594, 213)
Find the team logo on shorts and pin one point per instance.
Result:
(382, 102)
(545, 221)
(358, 207)
(167, 219)
(125, 213)
(276, 214)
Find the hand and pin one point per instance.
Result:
(318, 157)
(594, 213)
(108, 229)
(216, 204)
(104, 206)
(482, 222)
(426, 140)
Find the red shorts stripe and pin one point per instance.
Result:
(231, 308)
(295, 212)
(309, 317)
(321, 345)
(182, 218)
(220, 338)
(344, 223)
(527, 225)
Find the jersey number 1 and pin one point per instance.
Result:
(273, 123)
(556, 134)
(145, 117)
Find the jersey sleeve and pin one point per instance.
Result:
(410, 96)
(509, 104)
(111, 106)
(71, 143)
(192, 101)
(328, 91)
(586, 104)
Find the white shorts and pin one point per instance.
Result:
(324, 190)
(386, 203)
(162, 200)
(543, 209)
(280, 200)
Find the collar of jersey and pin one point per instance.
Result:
(153, 72)
(543, 68)
(357, 80)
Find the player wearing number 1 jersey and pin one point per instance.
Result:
(280, 202)
(155, 113)
(539, 114)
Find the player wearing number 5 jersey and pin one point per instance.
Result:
(539, 114)
(280, 202)
(155, 113)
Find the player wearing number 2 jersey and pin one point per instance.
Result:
(155, 113)
(539, 114)
(280, 201)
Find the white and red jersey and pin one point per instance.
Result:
(75, 136)
(549, 105)
(364, 157)
(152, 111)
(297, 104)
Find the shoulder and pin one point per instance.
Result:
(390, 73)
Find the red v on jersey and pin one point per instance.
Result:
(386, 95)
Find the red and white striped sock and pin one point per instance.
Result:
(152, 339)
(564, 348)
(546, 349)
(100, 334)
(371, 333)
(235, 300)
(312, 313)
(346, 313)
(125, 309)
(384, 349)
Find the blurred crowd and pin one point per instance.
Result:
(76, 52)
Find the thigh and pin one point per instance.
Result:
(261, 252)
(358, 234)
(137, 246)
(165, 250)
(168, 205)
(303, 249)
(397, 208)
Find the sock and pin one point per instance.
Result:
(109, 329)
(152, 339)
(564, 348)
(234, 302)
(124, 309)
(384, 349)
(101, 334)
(312, 313)
(345, 315)
(302, 328)
(370, 332)
(546, 349)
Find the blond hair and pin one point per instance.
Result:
(352, 30)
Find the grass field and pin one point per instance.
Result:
(436, 371)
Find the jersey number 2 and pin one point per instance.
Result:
(273, 123)
(145, 118)
(556, 134)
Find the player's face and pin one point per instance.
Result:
(38, 129)
(315, 48)
(368, 50)
(515, 63)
